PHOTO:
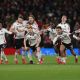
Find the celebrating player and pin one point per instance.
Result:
(32, 40)
(3, 44)
(19, 38)
(64, 25)
(65, 43)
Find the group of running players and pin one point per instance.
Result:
(28, 36)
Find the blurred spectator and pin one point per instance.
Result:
(41, 9)
(76, 26)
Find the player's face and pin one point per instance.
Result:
(20, 20)
(59, 31)
(30, 29)
(31, 19)
(64, 19)
(0, 26)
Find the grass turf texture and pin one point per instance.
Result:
(50, 70)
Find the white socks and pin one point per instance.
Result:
(3, 56)
(39, 55)
(29, 56)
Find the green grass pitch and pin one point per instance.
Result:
(50, 70)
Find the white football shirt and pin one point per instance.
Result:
(16, 26)
(65, 27)
(2, 35)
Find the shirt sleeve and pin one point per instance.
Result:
(51, 30)
(74, 36)
(6, 31)
(68, 28)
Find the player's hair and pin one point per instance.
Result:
(64, 15)
(20, 17)
(32, 16)
(58, 27)
(29, 27)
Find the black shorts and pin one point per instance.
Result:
(42, 41)
(32, 47)
(19, 43)
(68, 46)
(41, 44)
(2, 46)
(57, 44)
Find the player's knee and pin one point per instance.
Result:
(27, 48)
(38, 49)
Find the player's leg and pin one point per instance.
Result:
(57, 50)
(39, 55)
(17, 51)
(34, 49)
(18, 46)
(62, 52)
(3, 56)
(57, 47)
(16, 56)
(23, 53)
(27, 48)
(73, 53)
(30, 56)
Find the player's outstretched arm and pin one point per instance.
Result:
(6, 31)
